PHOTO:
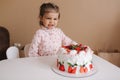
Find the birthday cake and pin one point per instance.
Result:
(75, 59)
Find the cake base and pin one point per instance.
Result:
(66, 74)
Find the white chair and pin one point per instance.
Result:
(12, 52)
(26, 49)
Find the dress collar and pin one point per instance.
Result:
(45, 28)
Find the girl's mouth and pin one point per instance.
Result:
(50, 25)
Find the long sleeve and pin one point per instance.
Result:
(66, 40)
(33, 50)
(47, 42)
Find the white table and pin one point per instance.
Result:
(39, 68)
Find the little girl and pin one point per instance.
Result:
(49, 38)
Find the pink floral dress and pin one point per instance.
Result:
(48, 41)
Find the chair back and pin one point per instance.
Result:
(26, 49)
(4, 42)
(12, 52)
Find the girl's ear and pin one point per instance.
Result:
(40, 18)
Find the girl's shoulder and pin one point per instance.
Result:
(58, 29)
(39, 31)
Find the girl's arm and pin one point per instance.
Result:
(33, 50)
(66, 40)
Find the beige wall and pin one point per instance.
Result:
(92, 22)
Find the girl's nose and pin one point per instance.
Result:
(51, 21)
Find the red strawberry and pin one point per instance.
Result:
(63, 46)
(78, 49)
(85, 70)
(69, 69)
(62, 68)
(68, 46)
(80, 45)
(81, 69)
(68, 50)
(91, 66)
(85, 48)
(74, 70)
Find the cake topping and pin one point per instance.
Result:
(78, 48)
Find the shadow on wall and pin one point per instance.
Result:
(116, 36)
(112, 44)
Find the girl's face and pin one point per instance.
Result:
(50, 19)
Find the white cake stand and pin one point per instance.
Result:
(65, 74)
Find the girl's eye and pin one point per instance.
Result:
(48, 18)
(51, 18)
(55, 19)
